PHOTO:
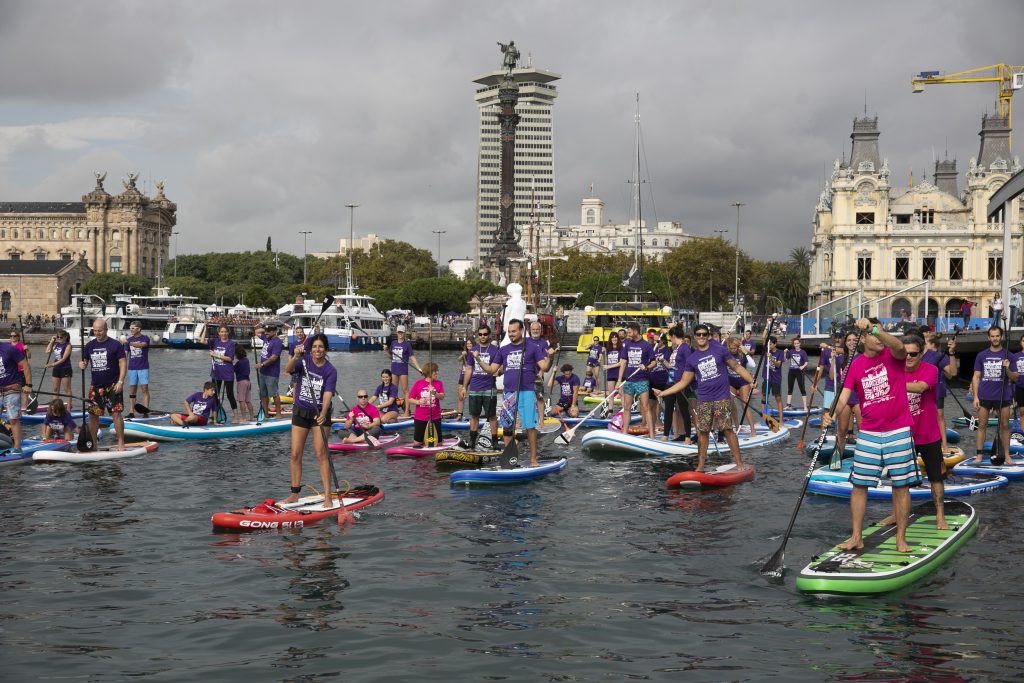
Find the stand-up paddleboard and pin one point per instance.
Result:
(1015, 448)
(130, 450)
(952, 436)
(608, 441)
(76, 415)
(726, 475)
(385, 440)
(496, 475)
(792, 412)
(387, 427)
(29, 447)
(950, 457)
(836, 483)
(456, 456)
(597, 421)
(172, 432)
(408, 450)
(1012, 469)
(599, 397)
(962, 421)
(308, 510)
(878, 567)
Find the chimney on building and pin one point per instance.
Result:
(864, 157)
(995, 143)
(945, 176)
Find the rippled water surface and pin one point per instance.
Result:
(111, 571)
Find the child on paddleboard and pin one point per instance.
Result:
(568, 390)
(200, 407)
(243, 385)
(58, 423)
(426, 396)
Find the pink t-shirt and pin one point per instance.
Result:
(421, 392)
(923, 410)
(880, 384)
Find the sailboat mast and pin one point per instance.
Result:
(638, 251)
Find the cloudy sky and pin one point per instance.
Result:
(266, 118)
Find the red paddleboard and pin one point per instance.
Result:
(272, 515)
(407, 450)
(342, 446)
(726, 475)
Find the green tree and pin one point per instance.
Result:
(268, 243)
(434, 295)
(258, 296)
(706, 268)
(106, 285)
(473, 273)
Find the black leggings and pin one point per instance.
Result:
(797, 377)
(678, 402)
(230, 384)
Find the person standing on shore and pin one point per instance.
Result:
(402, 355)
(108, 366)
(137, 348)
(884, 442)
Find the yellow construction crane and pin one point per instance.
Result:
(1009, 79)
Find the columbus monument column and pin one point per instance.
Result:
(507, 246)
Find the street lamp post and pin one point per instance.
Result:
(439, 233)
(736, 299)
(711, 290)
(175, 253)
(351, 237)
(305, 234)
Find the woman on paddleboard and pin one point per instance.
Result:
(402, 355)
(200, 408)
(59, 353)
(58, 423)
(947, 365)
(677, 406)
(612, 365)
(846, 417)
(773, 369)
(595, 352)
(798, 360)
(222, 351)
(658, 378)
(739, 386)
(363, 419)
(243, 385)
(312, 411)
(426, 395)
(385, 396)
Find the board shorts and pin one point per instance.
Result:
(714, 415)
(526, 409)
(198, 420)
(483, 404)
(306, 418)
(243, 390)
(635, 388)
(137, 377)
(105, 398)
(773, 389)
(12, 401)
(61, 373)
(890, 450)
(268, 385)
(931, 454)
(989, 404)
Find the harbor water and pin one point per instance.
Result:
(111, 572)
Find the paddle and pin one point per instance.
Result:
(33, 401)
(567, 437)
(774, 566)
(430, 439)
(509, 458)
(370, 438)
(810, 406)
(86, 442)
(995, 453)
(772, 423)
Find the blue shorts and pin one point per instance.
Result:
(636, 388)
(526, 408)
(891, 452)
(830, 395)
(138, 377)
(268, 385)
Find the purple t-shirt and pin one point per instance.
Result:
(823, 363)
(104, 360)
(10, 356)
(638, 354)
(941, 361)
(796, 359)
(613, 359)
(565, 387)
(58, 353)
(594, 353)
(400, 354)
(138, 357)
(294, 344)
(382, 394)
(201, 406)
(523, 355)
(710, 371)
(272, 346)
(840, 369)
(57, 424)
(749, 344)
(880, 384)
(310, 390)
(242, 369)
(659, 375)
(1017, 363)
(681, 352)
(775, 373)
(222, 369)
(990, 364)
(478, 379)
(588, 385)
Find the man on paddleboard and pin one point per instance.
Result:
(636, 359)
(884, 441)
(481, 385)
(710, 364)
(108, 367)
(268, 368)
(992, 391)
(519, 362)
(13, 383)
(363, 419)
(922, 385)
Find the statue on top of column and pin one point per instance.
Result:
(511, 60)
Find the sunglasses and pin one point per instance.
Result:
(362, 396)
(701, 334)
(913, 354)
(483, 334)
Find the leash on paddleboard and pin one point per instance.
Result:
(775, 565)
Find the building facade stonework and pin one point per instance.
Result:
(871, 236)
(39, 287)
(127, 233)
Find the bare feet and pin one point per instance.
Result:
(903, 547)
(294, 498)
(940, 523)
(852, 544)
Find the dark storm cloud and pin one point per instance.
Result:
(267, 118)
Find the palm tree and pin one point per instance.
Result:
(800, 257)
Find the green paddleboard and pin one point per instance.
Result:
(878, 567)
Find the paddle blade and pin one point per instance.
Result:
(221, 415)
(33, 403)
(836, 462)
(260, 415)
(509, 458)
(141, 409)
(565, 437)
(85, 440)
(328, 300)
(775, 566)
(773, 424)
(995, 453)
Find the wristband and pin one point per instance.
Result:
(28, 384)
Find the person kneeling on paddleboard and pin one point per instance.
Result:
(568, 390)
(363, 419)
(710, 364)
(312, 408)
(58, 423)
(426, 395)
(200, 407)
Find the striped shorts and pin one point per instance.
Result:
(889, 452)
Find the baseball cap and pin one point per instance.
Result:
(400, 328)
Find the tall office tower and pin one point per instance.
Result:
(534, 166)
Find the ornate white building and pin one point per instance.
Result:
(593, 235)
(871, 236)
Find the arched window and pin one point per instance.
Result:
(81, 234)
(67, 234)
(5, 302)
(115, 235)
(55, 234)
